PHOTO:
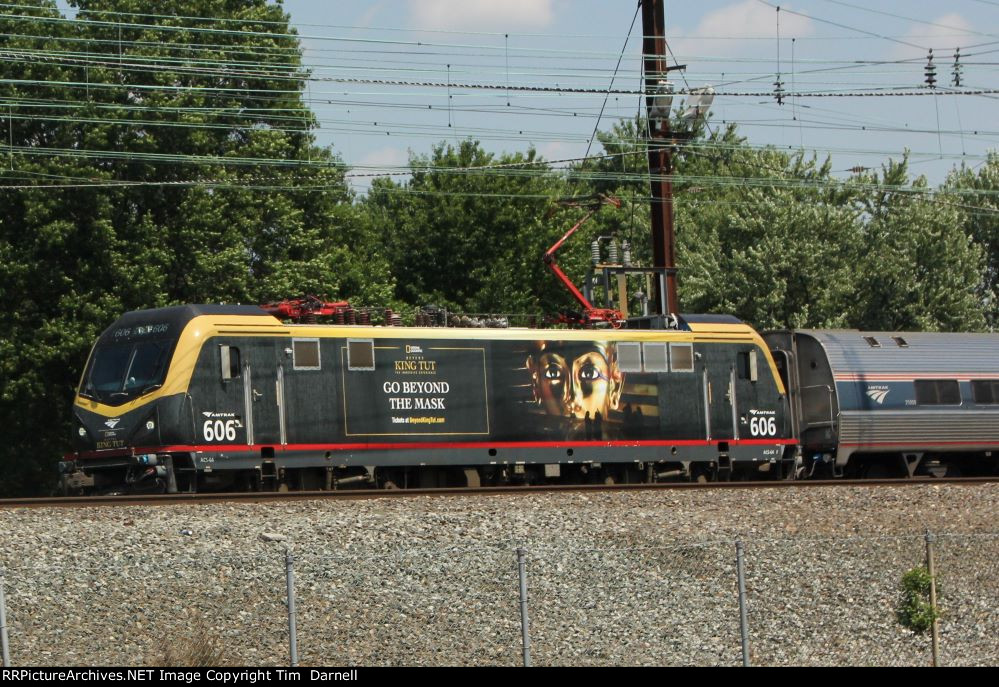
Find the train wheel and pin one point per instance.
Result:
(700, 474)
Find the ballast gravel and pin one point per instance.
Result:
(618, 578)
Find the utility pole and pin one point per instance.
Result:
(660, 159)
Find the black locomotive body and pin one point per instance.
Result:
(230, 397)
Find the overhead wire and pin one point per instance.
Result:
(601, 91)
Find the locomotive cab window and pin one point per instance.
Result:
(655, 357)
(305, 354)
(229, 360)
(986, 391)
(937, 392)
(361, 354)
(681, 357)
(629, 357)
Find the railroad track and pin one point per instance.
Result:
(265, 497)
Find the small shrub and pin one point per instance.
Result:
(196, 647)
(915, 611)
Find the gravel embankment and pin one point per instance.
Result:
(619, 578)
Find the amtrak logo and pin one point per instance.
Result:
(112, 422)
(878, 393)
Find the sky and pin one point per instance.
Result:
(408, 51)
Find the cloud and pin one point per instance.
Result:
(384, 159)
(560, 150)
(481, 15)
(740, 24)
(951, 31)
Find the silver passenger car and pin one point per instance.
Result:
(884, 403)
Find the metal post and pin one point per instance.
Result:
(289, 561)
(3, 625)
(933, 597)
(743, 620)
(524, 626)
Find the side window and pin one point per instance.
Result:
(629, 357)
(229, 362)
(361, 354)
(937, 392)
(655, 357)
(986, 391)
(681, 357)
(305, 354)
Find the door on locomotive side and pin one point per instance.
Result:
(263, 377)
(309, 396)
(715, 368)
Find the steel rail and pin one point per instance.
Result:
(265, 497)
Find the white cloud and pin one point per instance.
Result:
(739, 25)
(384, 158)
(559, 150)
(951, 31)
(481, 15)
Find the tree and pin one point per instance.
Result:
(978, 194)
(185, 170)
(464, 236)
(919, 268)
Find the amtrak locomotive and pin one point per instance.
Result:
(231, 397)
(210, 397)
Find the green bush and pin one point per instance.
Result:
(915, 611)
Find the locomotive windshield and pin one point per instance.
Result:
(120, 371)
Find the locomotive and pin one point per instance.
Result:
(215, 397)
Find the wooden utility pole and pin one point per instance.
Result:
(660, 160)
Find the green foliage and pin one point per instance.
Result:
(978, 195)
(467, 241)
(920, 269)
(224, 211)
(915, 611)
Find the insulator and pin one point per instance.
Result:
(626, 250)
(396, 320)
(421, 319)
(388, 317)
(612, 252)
(931, 71)
(779, 90)
(310, 318)
(341, 318)
(595, 252)
(364, 317)
(351, 316)
(957, 68)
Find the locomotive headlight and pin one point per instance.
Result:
(82, 431)
(150, 425)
